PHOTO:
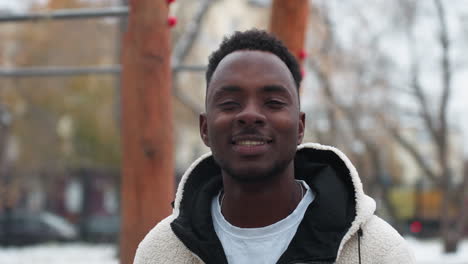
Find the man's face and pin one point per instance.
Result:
(252, 122)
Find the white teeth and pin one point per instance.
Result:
(250, 143)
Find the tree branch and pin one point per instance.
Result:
(414, 152)
(320, 65)
(446, 79)
(188, 101)
(327, 90)
(419, 94)
(186, 41)
(182, 49)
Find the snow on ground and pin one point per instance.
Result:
(426, 251)
(430, 252)
(60, 253)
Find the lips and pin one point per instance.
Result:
(250, 140)
(249, 145)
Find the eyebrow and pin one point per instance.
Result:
(267, 88)
(226, 89)
(275, 88)
(236, 89)
(229, 88)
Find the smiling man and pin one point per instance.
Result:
(261, 196)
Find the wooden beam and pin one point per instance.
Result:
(147, 126)
(289, 23)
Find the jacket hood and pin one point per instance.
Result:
(339, 210)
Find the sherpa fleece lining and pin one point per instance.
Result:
(319, 235)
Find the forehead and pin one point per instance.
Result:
(248, 68)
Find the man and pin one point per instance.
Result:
(261, 197)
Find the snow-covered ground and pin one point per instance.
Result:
(427, 252)
(430, 252)
(60, 254)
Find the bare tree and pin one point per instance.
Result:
(434, 118)
(330, 61)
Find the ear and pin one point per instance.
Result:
(204, 129)
(301, 128)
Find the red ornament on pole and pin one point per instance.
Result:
(302, 54)
(170, 1)
(172, 21)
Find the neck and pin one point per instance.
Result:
(250, 205)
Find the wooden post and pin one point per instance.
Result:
(147, 129)
(289, 23)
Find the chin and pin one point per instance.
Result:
(254, 170)
(254, 174)
(251, 175)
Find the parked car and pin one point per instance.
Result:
(102, 228)
(22, 227)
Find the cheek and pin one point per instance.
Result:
(287, 124)
(218, 127)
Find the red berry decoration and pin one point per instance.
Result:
(302, 54)
(172, 21)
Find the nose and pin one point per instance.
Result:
(251, 114)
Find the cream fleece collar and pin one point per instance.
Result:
(365, 205)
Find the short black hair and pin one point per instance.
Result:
(254, 39)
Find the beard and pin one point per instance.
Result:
(255, 174)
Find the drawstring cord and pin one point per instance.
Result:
(359, 244)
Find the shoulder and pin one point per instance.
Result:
(380, 231)
(379, 243)
(385, 238)
(161, 245)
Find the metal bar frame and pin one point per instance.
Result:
(74, 71)
(58, 71)
(79, 13)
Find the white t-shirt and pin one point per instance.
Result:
(258, 245)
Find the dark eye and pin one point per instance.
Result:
(276, 104)
(229, 105)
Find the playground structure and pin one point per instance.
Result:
(145, 70)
